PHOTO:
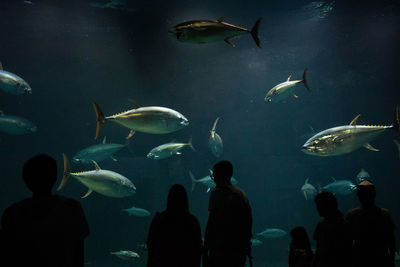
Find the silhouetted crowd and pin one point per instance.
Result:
(49, 230)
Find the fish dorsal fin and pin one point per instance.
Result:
(306, 182)
(135, 105)
(88, 193)
(333, 178)
(211, 172)
(104, 140)
(131, 133)
(369, 147)
(96, 165)
(221, 19)
(354, 121)
(214, 128)
(288, 79)
(1, 66)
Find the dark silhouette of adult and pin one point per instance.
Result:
(300, 253)
(227, 239)
(174, 238)
(372, 230)
(331, 234)
(46, 229)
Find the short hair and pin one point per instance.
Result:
(366, 192)
(326, 201)
(40, 173)
(224, 170)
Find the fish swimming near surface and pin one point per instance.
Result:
(104, 182)
(345, 139)
(155, 120)
(169, 149)
(12, 83)
(340, 187)
(286, 89)
(137, 212)
(397, 145)
(272, 233)
(308, 190)
(126, 254)
(208, 31)
(97, 152)
(15, 125)
(207, 181)
(215, 141)
(363, 175)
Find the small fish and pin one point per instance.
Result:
(12, 83)
(97, 153)
(286, 89)
(104, 182)
(155, 120)
(126, 254)
(207, 181)
(215, 141)
(137, 212)
(340, 187)
(272, 233)
(397, 145)
(169, 149)
(308, 190)
(208, 31)
(256, 242)
(363, 175)
(15, 125)
(345, 139)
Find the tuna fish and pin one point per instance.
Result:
(155, 120)
(215, 141)
(15, 125)
(126, 254)
(308, 190)
(207, 181)
(272, 233)
(208, 31)
(104, 182)
(169, 149)
(137, 212)
(362, 176)
(340, 187)
(345, 139)
(97, 153)
(12, 83)
(286, 89)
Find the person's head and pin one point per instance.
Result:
(178, 201)
(366, 193)
(222, 173)
(326, 204)
(40, 174)
(299, 237)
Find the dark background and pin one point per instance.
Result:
(72, 54)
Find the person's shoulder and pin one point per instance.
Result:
(23, 204)
(353, 212)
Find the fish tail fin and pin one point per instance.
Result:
(190, 144)
(193, 180)
(254, 32)
(66, 173)
(99, 118)
(396, 121)
(305, 80)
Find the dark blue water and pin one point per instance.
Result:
(72, 54)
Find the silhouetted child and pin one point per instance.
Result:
(331, 234)
(300, 254)
(174, 238)
(44, 230)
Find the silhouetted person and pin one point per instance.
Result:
(44, 230)
(300, 253)
(227, 239)
(372, 230)
(174, 238)
(331, 234)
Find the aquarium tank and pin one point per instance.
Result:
(135, 87)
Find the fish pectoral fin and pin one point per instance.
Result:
(354, 121)
(96, 165)
(208, 190)
(88, 193)
(305, 195)
(229, 42)
(221, 19)
(369, 147)
(114, 159)
(131, 133)
(295, 96)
